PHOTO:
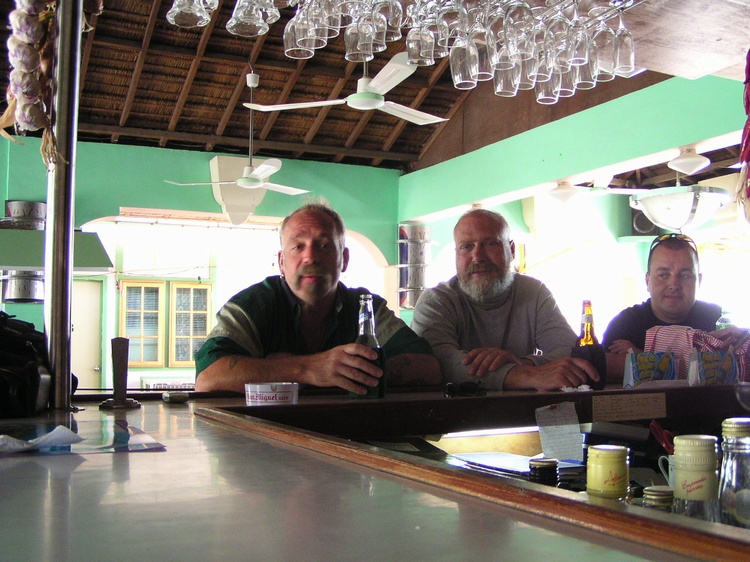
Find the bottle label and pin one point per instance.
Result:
(587, 319)
(694, 485)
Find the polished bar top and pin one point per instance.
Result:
(220, 493)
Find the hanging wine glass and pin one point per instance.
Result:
(548, 91)
(578, 40)
(358, 42)
(452, 22)
(624, 50)
(501, 54)
(604, 39)
(518, 25)
(188, 13)
(557, 40)
(420, 45)
(506, 81)
(247, 20)
(463, 62)
(291, 47)
(478, 36)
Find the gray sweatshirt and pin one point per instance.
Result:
(524, 320)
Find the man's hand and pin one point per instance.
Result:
(346, 366)
(483, 360)
(563, 372)
(622, 346)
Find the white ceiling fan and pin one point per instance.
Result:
(369, 95)
(254, 177)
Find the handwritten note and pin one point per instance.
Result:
(560, 431)
(629, 406)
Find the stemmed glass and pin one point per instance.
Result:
(188, 13)
(578, 39)
(557, 40)
(519, 29)
(452, 22)
(478, 36)
(604, 40)
(624, 50)
(464, 60)
(247, 20)
(420, 45)
(291, 48)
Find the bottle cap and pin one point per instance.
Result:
(695, 451)
(543, 463)
(608, 451)
(735, 427)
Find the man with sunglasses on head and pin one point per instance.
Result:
(491, 325)
(672, 279)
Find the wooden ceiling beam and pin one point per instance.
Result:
(213, 140)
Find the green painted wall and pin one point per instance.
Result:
(672, 113)
(112, 176)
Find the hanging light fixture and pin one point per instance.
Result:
(680, 206)
(688, 162)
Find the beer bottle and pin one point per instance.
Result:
(367, 338)
(587, 346)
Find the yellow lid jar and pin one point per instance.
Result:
(608, 471)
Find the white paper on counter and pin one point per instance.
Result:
(58, 437)
(560, 432)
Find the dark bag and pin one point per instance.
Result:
(24, 369)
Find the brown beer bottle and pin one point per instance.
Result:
(588, 347)
(367, 338)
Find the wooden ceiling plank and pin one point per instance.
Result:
(283, 97)
(238, 89)
(199, 139)
(334, 95)
(185, 91)
(139, 63)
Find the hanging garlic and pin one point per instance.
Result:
(25, 86)
(22, 56)
(32, 7)
(31, 117)
(26, 27)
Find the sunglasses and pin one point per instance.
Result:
(673, 236)
(463, 389)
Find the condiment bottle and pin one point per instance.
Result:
(734, 476)
(608, 471)
(367, 338)
(696, 482)
(587, 347)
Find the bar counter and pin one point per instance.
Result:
(231, 484)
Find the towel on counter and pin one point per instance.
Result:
(682, 340)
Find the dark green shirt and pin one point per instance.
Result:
(264, 319)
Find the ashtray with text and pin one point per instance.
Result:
(272, 393)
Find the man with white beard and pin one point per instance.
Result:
(491, 324)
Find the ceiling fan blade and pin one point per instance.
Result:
(412, 115)
(284, 189)
(392, 74)
(285, 106)
(267, 168)
(201, 183)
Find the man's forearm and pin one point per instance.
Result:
(234, 371)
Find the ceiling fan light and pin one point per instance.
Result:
(674, 208)
(365, 101)
(688, 162)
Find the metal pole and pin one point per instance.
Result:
(58, 270)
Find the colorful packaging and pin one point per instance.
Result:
(648, 367)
